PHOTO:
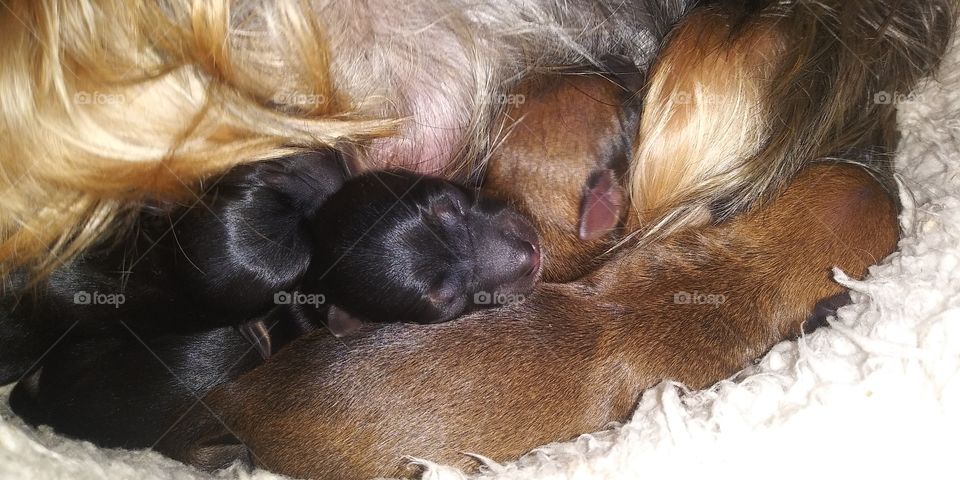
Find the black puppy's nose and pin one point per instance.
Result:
(520, 259)
(506, 259)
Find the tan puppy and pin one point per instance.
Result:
(563, 160)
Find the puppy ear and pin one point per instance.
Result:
(602, 205)
(249, 241)
(307, 178)
(342, 323)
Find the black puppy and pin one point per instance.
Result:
(272, 251)
(126, 391)
(425, 252)
(246, 234)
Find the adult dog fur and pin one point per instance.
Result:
(106, 103)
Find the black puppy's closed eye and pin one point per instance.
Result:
(448, 208)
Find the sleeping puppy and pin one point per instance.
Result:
(443, 244)
(563, 161)
(578, 354)
(122, 390)
(126, 391)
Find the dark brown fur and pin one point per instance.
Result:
(570, 359)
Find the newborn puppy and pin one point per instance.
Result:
(126, 391)
(120, 393)
(424, 252)
(563, 160)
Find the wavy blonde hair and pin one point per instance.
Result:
(107, 104)
(99, 98)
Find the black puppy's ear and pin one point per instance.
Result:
(342, 323)
(602, 205)
(307, 179)
(250, 242)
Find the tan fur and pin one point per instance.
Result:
(764, 90)
(703, 112)
(568, 360)
(562, 128)
(106, 103)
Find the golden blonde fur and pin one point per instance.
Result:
(108, 103)
(746, 93)
(703, 114)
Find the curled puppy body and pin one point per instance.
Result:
(579, 353)
(124, 391)
(121, 389)
(569, 183)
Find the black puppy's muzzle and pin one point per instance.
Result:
(508, 251)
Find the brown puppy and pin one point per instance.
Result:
(568, 360)
(563, 160)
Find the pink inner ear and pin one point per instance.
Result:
(602, 205)
(342, 323)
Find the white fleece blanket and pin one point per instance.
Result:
(877, 395)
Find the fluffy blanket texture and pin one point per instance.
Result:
(876, 395)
